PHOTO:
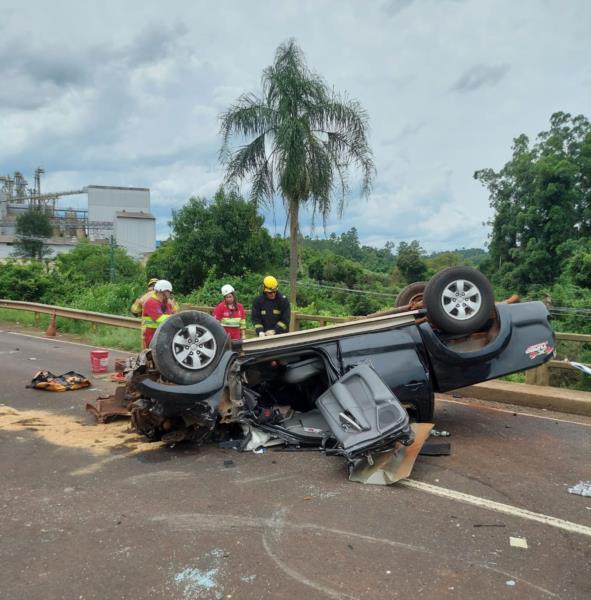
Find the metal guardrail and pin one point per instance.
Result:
(132, 322)
(299, 317)
(72, 313)
(541, 375)
(538, 376)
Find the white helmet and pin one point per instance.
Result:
(227, 289)
(163, 286)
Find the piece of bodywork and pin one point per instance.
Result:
(350, 389)
(108, 408)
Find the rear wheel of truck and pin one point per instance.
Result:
(411, 294)
(187, 347)
(459, 300)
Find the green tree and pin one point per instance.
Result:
(302, 140)
(442, 260)
(26, 282)
(33, 228)
(541, 199)
(348, 245)
(409, 261)
(224, 237)
(163, 264)
(90, 264)
(578, 264)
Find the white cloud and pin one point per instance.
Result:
(130, 94)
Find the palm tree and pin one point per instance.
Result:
(301, 141)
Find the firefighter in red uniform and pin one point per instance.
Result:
(157, 308)
(136, 307)
(230, 313)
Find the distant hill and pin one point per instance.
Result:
(472, 255)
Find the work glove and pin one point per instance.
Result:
(270, 332)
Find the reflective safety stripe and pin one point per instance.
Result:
(276, 312)
(231, 322)
(282, 324)
(149, 323)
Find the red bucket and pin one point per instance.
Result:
(99, 361)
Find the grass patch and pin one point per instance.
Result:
(115, 337)
(23, 317)
(514, 377)
(99, 335)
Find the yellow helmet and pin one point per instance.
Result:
(270, 284)
(152, 281)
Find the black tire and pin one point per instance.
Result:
(455, 307)
(410, 292)
(187, 347)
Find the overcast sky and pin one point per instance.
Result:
(129, 93)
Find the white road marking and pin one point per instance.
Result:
(59, 341)
(507, 509)
(521, 414)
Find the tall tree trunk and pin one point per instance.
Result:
(293, 256)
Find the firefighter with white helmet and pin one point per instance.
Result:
(230, 313)
(157, 308)
(271, 310)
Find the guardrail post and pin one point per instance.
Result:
(538, 376)
(52, 329)
(36, 316)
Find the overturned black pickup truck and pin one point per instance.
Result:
(351, 389)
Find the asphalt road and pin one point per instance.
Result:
(92, 512)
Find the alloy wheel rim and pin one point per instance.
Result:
(194, 347)
(461, 299)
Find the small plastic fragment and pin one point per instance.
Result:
(583, 488)
(440, 433)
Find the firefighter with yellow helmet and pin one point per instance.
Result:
(271, 310)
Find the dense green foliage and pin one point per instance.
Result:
(33, 228)
(409, 261)
(539, 243)
(222, 237)
(347, 245)
(302, 140)
(27, 282)
(542, 204)
(91, 264)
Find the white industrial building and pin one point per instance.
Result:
(119, 214)
(123, 213)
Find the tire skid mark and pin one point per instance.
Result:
(277, 524)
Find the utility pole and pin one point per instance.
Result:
(112, 258)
